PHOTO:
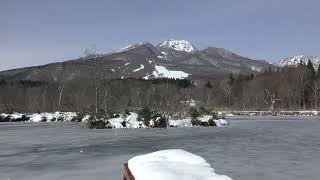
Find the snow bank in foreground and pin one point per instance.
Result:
(172, 164)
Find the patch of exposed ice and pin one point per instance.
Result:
(173, 164)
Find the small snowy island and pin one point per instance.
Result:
(144, 118)
(173, 164)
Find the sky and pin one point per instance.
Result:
(37, 32)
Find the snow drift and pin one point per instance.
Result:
(174, 164)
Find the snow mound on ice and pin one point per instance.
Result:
(174, 164)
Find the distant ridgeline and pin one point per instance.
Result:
(286, 88)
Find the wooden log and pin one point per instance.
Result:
(127, 175)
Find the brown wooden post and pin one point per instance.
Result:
(127, 175)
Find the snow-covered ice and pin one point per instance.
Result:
(172, 164)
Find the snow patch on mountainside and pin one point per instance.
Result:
(179, 45)
(163, 56)
(126, 64)
(256, 68)
(140, 68)
(161, 71)
(294, 61)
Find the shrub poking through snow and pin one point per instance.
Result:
(43, 119)
(97, 124)
(60, 119)
(78, 118)
(194, 117)
(4, 119)
(195, 122)
(145, 115)
(159, 120)
(23, 118)
(94, 123)
(124, 124)
(214, 115)
(211, 122)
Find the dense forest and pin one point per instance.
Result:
(288, 88)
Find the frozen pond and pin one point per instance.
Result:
(248, 149)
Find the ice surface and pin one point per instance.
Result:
(251, 148)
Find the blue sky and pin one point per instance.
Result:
(36, 32)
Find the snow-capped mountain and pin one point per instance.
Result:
(171, 58)
(178, 45)
(294, 61)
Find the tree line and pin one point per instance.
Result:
(287, 88)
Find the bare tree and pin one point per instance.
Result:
(105, 85)
(61, 87)
(315, 89)
(272, 98)
(44, 98)
(92, 54)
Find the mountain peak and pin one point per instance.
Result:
(294, 61)
(178, 45)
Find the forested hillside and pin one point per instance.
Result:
(287, 88)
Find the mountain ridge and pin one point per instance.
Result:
(169, 55)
